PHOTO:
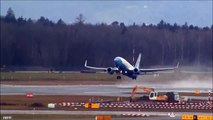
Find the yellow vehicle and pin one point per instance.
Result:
(154, 96)
(136, 88)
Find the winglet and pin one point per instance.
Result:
(85, 63)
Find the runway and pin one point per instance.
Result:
(98, 90)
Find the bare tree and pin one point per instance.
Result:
(80, 19)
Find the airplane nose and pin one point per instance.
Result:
(116, 59)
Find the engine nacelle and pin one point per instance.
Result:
(136, 71)
(110, 70)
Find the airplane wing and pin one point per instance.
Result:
(99, 68)
(158, 69)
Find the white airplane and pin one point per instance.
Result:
(125, 68)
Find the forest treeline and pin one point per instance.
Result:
(42, 42)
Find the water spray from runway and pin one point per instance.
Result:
(193, 82)
(182, 80)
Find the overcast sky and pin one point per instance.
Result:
(193, 12)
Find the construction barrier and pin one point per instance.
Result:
(92, 105)
(205, 117)
(188, 117)
(51, 105)
(196, 117)
(103, 117)
(154, 105)
(135, 115)
(203, 106)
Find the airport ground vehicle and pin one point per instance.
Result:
(169, 97)
(155, 96)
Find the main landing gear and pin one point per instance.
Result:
(118, 77)
(134, 77)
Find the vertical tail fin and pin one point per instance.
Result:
(137, 64)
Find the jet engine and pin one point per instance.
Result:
(136, 71)
(110, 70)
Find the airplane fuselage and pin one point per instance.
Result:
(125, 67)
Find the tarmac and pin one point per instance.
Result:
(97, 90)
(161, 115)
